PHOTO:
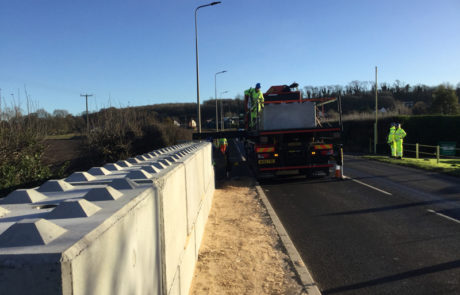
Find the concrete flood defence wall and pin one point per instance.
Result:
(131, 227)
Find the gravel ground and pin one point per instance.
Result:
(241, 252)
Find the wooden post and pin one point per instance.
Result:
(437, 154)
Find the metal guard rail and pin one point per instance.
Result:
(436, 153)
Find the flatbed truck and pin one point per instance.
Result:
(289, 135)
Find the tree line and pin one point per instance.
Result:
(359, 96)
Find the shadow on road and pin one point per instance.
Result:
(396, 277)
(387, 208)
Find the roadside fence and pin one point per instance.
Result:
(447, 151)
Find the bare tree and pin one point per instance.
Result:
(60, 113)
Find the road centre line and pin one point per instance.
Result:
(370, 186)
(445, 216)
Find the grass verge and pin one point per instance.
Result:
(447, 166)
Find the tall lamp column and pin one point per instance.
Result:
(198, 110)
(215, 96)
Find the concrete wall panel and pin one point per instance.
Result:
(195, 188)
(121, 257)
(173, 197)
(144, 239)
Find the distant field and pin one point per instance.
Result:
(448, 166)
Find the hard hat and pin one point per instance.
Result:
(258, 86)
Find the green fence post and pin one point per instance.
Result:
(437, 154)
(416, 150)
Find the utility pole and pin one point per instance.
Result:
(376, 113)
(87, 120)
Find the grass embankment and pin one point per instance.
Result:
(447, 166)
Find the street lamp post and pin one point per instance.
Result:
(376, 113)
(215, 95)
(197, 75)
(222, 111)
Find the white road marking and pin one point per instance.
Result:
(365, 184)
(445, 216)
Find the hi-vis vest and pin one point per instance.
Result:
(255, 99)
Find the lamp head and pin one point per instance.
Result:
(217, 2)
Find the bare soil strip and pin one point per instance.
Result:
(241, 252)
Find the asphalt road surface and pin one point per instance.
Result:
(385, 230)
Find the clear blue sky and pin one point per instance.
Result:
(141, 52)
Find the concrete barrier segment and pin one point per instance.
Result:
(159, 165)
(121, 255)
(55, 185)
(103, 194)
(176, 156)
(3, 211)
(112, 167)
(99, 171)
(23, 196)
(80, 176)
(165, 162)
(150, 169)
(73, 209)
(124, 163)
(154, 154)
(172, 194)
(134, 160)
(187, 260)
(150, 229)
(195, 188)
(123, 184)
(142, 158)
(139, 174)
(171, 159)
(30, 232)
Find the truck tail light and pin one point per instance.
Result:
(323, 146)
(265, 149)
